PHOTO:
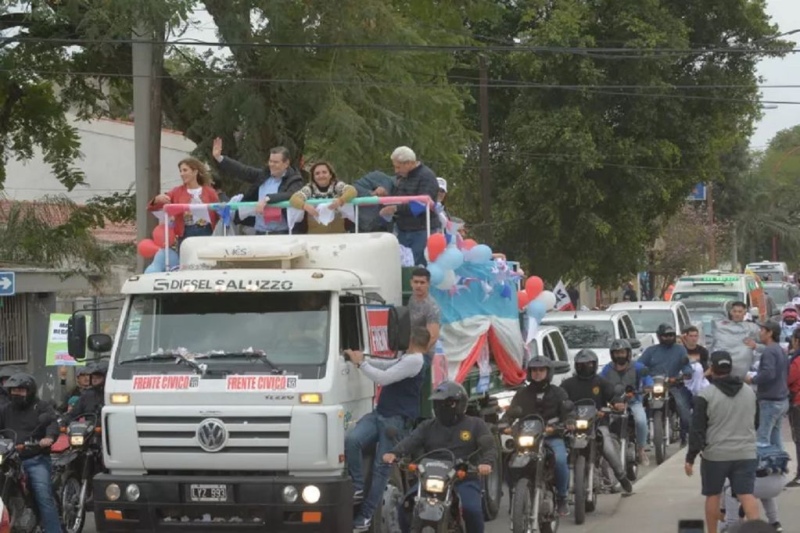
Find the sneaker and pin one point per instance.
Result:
(778, 527)
(626, 484)
(644, 459)
(562, 507)
(361, 523)
(616, 488)
(358, 496)
(794, 483)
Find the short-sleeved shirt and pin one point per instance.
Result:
(424, 312)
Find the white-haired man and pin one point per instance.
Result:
(413, 179)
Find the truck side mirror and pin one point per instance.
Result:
(100, 343)
(76, 337)
(561, 367)
(399, 328)
(635, 343)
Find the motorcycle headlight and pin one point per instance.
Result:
(658, 389)
(582, 424)
(76, 440)
(525, 441)
(434, 485)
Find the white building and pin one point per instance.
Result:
(108, 163)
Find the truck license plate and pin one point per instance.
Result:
(208, 493)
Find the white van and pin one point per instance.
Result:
(770, 270)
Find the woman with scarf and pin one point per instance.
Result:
(323, 185)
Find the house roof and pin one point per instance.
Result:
(57, 214)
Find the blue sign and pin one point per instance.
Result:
(698, 193)
(7, 283)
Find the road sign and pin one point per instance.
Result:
(7, 283)
(698, 193)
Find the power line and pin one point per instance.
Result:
(370, 83)
(624, 52)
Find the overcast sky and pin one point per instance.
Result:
(786, 71)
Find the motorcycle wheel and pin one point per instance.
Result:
(580, 489)
(522, 507)
(72, 515)
(632, 464)
(659, 442)
(493, 489)
(552, 525)
(442, 527)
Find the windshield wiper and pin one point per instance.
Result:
(168, 355)
(251, 356)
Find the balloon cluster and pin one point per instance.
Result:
(444, 259)
(148, 248)
(535, 299)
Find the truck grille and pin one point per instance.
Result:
(246, 435)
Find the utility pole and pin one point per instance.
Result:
(712, 245)
(148, 61)
(486, 179)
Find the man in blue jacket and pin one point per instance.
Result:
(633, 378)
(671, 360)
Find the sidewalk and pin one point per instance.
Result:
(667, 495)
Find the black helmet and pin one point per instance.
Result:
(6, 371)
(586, 362)
(620, 345)
(98, 368)
(449, 402)
(83, 371)
(541, 361)
(22, 380)
(665, 329)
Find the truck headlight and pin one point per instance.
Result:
(658, 389)
(289, 494)
(582, 424)
(311, 494)
(112, 492)
(434, 485)
(132, 492)
(76, 440)
(525, 441)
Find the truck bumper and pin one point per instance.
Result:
(253, 504)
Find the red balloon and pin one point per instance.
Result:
(534, 287)
(523, 299)
(436, 245)
(158, 236)
(469, 244)
(147, 248)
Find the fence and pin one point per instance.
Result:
(14, 329)
(104, 311)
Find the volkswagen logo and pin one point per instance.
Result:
(212, 435)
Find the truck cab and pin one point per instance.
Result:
(228, 397)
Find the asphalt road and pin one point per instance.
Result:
(607, 505)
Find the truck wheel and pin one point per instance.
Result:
(493, 488)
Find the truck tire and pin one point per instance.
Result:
(493, 487)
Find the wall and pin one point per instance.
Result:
(108, 162)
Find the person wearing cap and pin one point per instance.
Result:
(724, 430)
(772, 380)
(738, 337)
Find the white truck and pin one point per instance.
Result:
(227, 398)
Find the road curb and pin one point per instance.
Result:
(678, 458)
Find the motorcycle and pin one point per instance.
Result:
(18, 500)
(437, 507)
(75, 469)
(662, 417)
(585, 460)
(532, 470)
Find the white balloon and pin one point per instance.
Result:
(449, 280)
(547, 298)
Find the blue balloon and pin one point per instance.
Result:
(479, 254)
(437, 273)
(537, 310)
(450, 259)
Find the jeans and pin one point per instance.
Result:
(370, 431)
(469, 493)
(611, 452)
(640, 421)
(683, 404)
(794, 420)
(562, 466)
(770, 415)
(767, 489)
(38, 470)
(416, 241)
(159, 263)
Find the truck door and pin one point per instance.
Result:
(559, 346)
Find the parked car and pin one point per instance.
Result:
(647, 316)
(595, 330)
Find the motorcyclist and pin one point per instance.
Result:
(632, 376)
(83, 382)
(671, 360)
(586, 384)
(549, 401)
(24, 416)
(92, 398)
(464, 435)
(5, 373)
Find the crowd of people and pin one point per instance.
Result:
(279, 181)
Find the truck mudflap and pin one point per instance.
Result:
(222, 503)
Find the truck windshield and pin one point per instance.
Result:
(289, 328)
(586, 334)
(712, 296)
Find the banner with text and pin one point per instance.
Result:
(378, 324)
(57, 352)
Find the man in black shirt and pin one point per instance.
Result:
(691, 338)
